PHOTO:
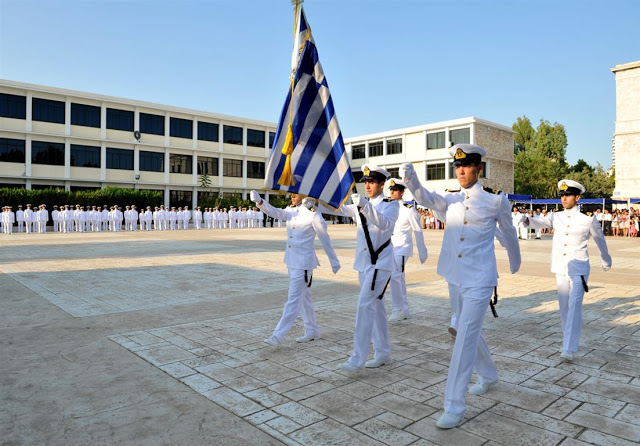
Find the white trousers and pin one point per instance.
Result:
(470, 350)
(20, 226)
(42, 227)
(570, 295)
(398, 285)
(371, 319)
(299, 299)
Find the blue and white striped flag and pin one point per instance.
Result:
(308, 155)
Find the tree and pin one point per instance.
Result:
(597, 181)
(525, 134)
(205, 180)
(580, 166)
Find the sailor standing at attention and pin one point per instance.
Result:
(468, 263)
(408, 223)
(570, 258)
(375, 219)
(300, 256)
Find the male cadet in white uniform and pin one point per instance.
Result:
(28, 214)
(468, 263)
(570, 258)
(20, 218)
(43, 219)
(302, 227)
(376, 218)
(408, 223)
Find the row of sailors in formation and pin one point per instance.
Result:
(103, 218)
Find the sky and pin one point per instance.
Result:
(389, 64)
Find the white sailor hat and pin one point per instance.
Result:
(465, 154)
(396, 184)
(570, 187)
(373, 172)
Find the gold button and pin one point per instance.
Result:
(289, 246)
(365, 249)
(465, 222)
(565, 244)
(467, 208)
(462, 239)
(567, 226)
(566, 233)
(459, 255)
(564, 254)
(467, 197)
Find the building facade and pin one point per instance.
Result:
(51, 137)
(626, 138)
(426, 147)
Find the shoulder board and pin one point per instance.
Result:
(492, 191)
(408, 205)
(388, 200)
(452, 190)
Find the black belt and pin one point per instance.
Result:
(494, 301)
(373, 284)
(584, 285)
(403, 264)
(373, 253)
(306, 280)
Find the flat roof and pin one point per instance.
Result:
(626, 66)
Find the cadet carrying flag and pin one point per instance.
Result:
(308, 155)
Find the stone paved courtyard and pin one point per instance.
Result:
(156, 338)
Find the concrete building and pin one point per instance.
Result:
(627, 131)
(426, 146)
(51, 137)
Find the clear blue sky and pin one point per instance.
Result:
(390, 64)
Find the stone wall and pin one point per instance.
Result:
(499, 145)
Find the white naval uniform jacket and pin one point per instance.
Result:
(402, 239)
(571, 231)
(468, 254)
(381, 214)
(302, 227)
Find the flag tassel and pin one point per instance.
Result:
(286, 178)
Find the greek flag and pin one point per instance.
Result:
(308, 155)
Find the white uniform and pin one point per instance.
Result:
(20, 219)
(43, 218)
(468, 263)
(300, 257)
(371, 318)
(28, 219)
(197, 219)
(570, 263)
(408, 223)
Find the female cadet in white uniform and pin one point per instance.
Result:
(408, 223)
(302, 227)
(570, 258)
(468, 264)
(375, 219)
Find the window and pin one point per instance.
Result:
(151, 124)
(272, 137)
(435, 141)
(394, 146)
(12, 106)
(255, 138)
(208, 131)
(85, 156)
(85, 115)
(119, 119)
(232, 168)
(207, 165)
(484, 170)
(435, 171)
(357, 152)
(48, 111)
(255, 169)
(181, 128)
(151, 161)
(394, 172)
(180, 198)
(51, 153)
(12, 150)
(375, 148)
(180, 163)
(232, 135)
(119, 159)
(460, 136)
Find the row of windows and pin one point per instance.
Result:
(46, 110)
(434, 172)
(42, 152)
(394, 146)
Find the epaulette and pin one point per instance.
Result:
(408, 205)
(388, 200)
(452, 190)
(492, 191)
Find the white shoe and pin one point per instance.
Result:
(348, 367)
(448, 420)
(376, 362)
(567, 355)
(273, 340)
(481, 387)
(397, 315)
(307, 338)
(453, 332)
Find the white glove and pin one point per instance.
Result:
(423, 254)
(406, 171)
(606, 267)
(308, 202)
(523, 218)
(514, 271)
(255, 197)
(357, 200)
(335, 268)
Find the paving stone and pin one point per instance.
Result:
(426, 428)
(561, 408)
(164, 355)
(329, 432)
(244, 384)
(630, 414)
(266, 397)
(395, 420)
(401, 406)
(606, 425)
(220, 372)
(268, 372)
(385, 433)
(283, 425)
(361, 390)
(342, 407)
(200, 383)
(594, 437)
(613, 390)
(510, 431)
(233, 401)
(519, 396)
(261, 417)
(177, 370)
(294, 383)
(299, 413)
(535, 419)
